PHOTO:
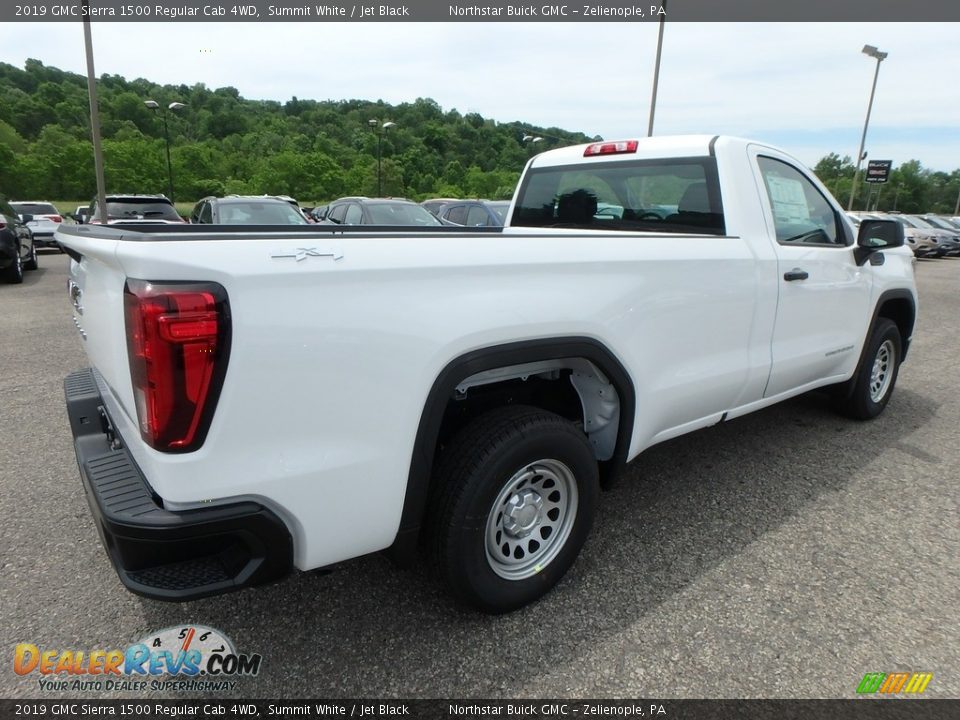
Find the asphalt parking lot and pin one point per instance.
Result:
(784, 554)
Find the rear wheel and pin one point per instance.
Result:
(518, 492)
(14, 273)
(873, 384)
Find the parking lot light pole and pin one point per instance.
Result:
(880, 57)
(154, 105)
(380, 129)
(656, 73)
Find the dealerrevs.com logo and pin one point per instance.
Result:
(894, 683)
(188, 658)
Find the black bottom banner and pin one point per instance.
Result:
(863, 709)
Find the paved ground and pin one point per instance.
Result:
(784, 554)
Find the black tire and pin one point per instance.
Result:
(14, 273)
(485, 465)
(32, 263)
(866, 395)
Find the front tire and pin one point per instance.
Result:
(518, 492)
(873, 384)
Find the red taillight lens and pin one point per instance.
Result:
(55, 218)
(178, 337)
(611, 148)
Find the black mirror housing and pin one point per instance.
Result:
(875, 235)
(879, 234)
(26, 218)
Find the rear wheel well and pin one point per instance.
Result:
(575, 377)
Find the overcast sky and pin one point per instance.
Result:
(802, 86)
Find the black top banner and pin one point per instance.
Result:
(482, 11)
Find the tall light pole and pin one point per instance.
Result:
(380, 129)
(656, 73)
(154, 105)
(94, 117)
(880, 57)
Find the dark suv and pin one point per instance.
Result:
(131, 209)
(475, 213)
(378, 211)
(17, 252)
(247, 210)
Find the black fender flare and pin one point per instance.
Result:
(846, 388)
(421, 464)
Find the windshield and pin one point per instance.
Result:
(260, 213)
(921, 223)
(34, 208)
(671, 195)
(159, 210)
(400, 214)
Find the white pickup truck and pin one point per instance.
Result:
(263, 398)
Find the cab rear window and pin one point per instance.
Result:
(665, 195)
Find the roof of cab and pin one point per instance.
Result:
(661, 146)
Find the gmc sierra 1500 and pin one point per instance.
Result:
(268, 398)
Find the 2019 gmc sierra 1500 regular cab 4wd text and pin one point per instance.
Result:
(268, 398)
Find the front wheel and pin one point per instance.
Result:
(518, 492)
(873, 384)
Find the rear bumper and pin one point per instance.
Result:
(158, 553)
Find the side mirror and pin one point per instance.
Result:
(26, 218)
(874, 235)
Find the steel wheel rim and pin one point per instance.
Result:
(882, 373)
(531, 519)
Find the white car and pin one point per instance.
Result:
(46, 220)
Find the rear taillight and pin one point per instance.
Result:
(611, 148)
(178, 342)
(55, 218)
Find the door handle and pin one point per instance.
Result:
(796, 274)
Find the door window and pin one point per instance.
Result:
(801, 214)
(477, 216)
(354, 215)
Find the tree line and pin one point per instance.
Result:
(221, 142)
(313, 150)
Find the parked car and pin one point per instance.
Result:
(953, 231)
(46, 220)
(433, 205)
(247, 210)
(81, 214)
(379, 211)
(945, 240)
(319, 213)
(135, 209)
(17, 251)
(475, 213)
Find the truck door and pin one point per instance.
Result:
(824, 296)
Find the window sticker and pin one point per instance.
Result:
(787, 199)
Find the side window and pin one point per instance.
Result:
(801, 215)
(457, 214)
(477, 215)
(336, 215)
(206, 214)
(354, 215)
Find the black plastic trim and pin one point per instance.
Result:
(157, 553)
(516, 353)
